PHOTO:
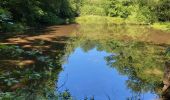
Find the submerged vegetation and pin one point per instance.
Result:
(30, 69)
(29, 75)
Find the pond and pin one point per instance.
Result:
(100, 62)
(87, 74)
(114, 63)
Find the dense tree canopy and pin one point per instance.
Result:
(148, 11)
(34, 12)
(17, 14)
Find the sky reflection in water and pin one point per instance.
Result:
(87, 74)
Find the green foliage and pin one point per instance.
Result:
(115, 8)
(6, 96)
(167, 52)
(16, 14)
(165, 26)
(10, 51)
(65, 95)
(142, 15)
(6, 23)
(91, 19)
(12, 27)
(38, 78)
(136, 12)
(145, 16)
(4, 15)
(163, 10)
(52, 19)
(92, 10)
(112, 8)
(59, 96)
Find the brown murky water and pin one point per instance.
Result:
(141, 33)
(49, 34)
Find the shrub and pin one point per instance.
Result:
(10, 51)
(51, 19)
(90, 19)
(7, 24)
(162, 25)
(12, 27)
(163, 10)
(92, 10)
(145, 15)
(4, 15)
(118, 10)
(141, 15)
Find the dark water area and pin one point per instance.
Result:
(100, 62)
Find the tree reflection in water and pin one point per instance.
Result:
(141, 61)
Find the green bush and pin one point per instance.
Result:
(141, 15)
(92, 10)
(13, 14)
(162, 26)
(52, 19)
(4, 15)
(91, 19)
(163, 10)
(10, 51)
(117, 9)
(12, 27)
(7, 24)
(145, 15)
(112, 8)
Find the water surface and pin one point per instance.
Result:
(103, 61)
(114, 62)
(86, 74)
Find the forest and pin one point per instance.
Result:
(84, 49)
(18, 15)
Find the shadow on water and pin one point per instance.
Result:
(30, 63)
(103, 62)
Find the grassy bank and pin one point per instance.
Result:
(87, 19)
(99, 20)
(165, 26)
(90, 19)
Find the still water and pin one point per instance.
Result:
(87, 74)
(101, 62)
(113, 63)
